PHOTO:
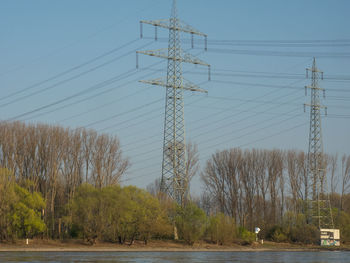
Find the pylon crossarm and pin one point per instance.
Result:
(314, 87)
(314, 70)
(185, 57)
(186, 85)
(315, 106)
(161, 53)
(189, 58)
(181, 26)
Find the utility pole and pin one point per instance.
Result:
(174, 178)
(320, 204)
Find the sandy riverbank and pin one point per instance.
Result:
(162, 246)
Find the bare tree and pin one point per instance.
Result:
(192, 164)
(114, 164)
(345, 176)
(154, 187)
(214, 177)
(262, 182)
(53, 159)
(294, 183)
(248, 180)
(302, 168)
(333, 162)
(89, 138)
(275, 170)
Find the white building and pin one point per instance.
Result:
(330, 237)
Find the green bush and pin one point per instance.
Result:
(20, 209)
(246, 236)
(26, 216)
(117, 214)
(296, 229)
(190, 222)
(221, 229)
(342, 221)
(306, 234)
(277, 234)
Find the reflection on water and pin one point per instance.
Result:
(181, 257)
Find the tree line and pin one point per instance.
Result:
(57, 161)
(110, 213)
(58, 182)
(265, 187)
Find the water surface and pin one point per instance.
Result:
(181, 257)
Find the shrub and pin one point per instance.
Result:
(246, 236)
(190, 223)
(342, 221)
(117, 214)
(306, 234)
(221, 229)
(277, 234)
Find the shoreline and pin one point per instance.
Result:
(158, 246)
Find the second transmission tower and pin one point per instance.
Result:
(319, 209)
(174, 180)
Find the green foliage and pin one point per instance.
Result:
(221, 229)
(20, 210)
(297, 230)
(26, 214)
(342, 221)
(7, 199)
(117, 214)
(86, 212)
(246, 236)
(150, 220)
(277, 234)
(190, 222)
(306, 234)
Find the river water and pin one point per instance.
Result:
(180, 257)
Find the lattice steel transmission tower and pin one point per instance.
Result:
(319, 208)
(174, 179)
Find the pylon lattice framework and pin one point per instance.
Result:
(320, 204)
(174, 180)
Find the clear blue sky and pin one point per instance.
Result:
(255, 99)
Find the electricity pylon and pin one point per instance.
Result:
(320, 204)
(174, 179)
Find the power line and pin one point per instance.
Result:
(68, 70)
(268, 85)
(340, 55)
(104, 105)
(148, 137)
(272, 135)
(236, 106)
(90, 89)
(245, 144)
(266, 43)
(122, 113)
(70, 78)
(241, 145)
(271, 75)
(336, 76)
(251, 132)
(82, 40)
(74, 103)
(138, 116)
(257, 97)
(216, 129)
